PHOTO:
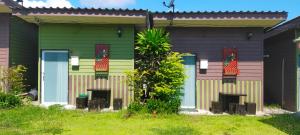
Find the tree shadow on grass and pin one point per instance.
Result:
(53, 131)
(175, 131)
(288, 123)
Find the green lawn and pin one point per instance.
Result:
(35, 120)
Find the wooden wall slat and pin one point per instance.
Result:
(208, 91)
(80, 83)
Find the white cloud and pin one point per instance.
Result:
(47, 3)
(106, 3)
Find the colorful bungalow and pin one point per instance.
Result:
(81, 50)
(282, 64)
(18, 41)
(227, 53)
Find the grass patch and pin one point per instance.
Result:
(35, 120)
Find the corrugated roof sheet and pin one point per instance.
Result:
(220, 12)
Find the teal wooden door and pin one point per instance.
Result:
(54, 77)
(189, 91)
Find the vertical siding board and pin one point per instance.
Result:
(252, 92)
(111, 83)
(121, 89)
(105, 83)
(247, 91)
(225, 86)
(124, 92)
(216, 90)
(70, 89)
(234, 87)
(79, 85)
(75, 86)
(208, 94)
(126, 99)
(221, 85)
(84, 84)
(261, 95)
(97, 82)
(88, 77)
(257, 91)
(198, 94)
(202, 94)
(115, 87)
(93, 81)
(211, 92)
(243, 86)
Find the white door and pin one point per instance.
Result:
(54, 78)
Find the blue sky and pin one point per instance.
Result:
(291, 6)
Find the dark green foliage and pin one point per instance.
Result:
(9, 101)
(159, 73)
(135, 107)
(159, 106)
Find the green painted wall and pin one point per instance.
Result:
(23, 47)
(80, 40)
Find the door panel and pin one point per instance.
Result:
(189, 91)
(55, 77)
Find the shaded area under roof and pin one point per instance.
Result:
(289, 25)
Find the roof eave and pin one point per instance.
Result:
(219, 19)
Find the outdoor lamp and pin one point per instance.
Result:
(119, 32)
(297, 41)
(249, 35)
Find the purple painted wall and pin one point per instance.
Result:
(208, 43)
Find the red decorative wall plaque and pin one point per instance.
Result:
(102, 58)
(230, 62)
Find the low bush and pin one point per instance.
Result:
(155, 106)
(9, 101)
(135, 107)
(158, 106)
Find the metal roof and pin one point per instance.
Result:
(180, 18)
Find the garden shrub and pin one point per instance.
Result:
(135, 107)
(13, 79)
(9, 101)
(159, 73)
(159, 106)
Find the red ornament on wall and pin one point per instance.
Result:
(102, 58)
(230, 62)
